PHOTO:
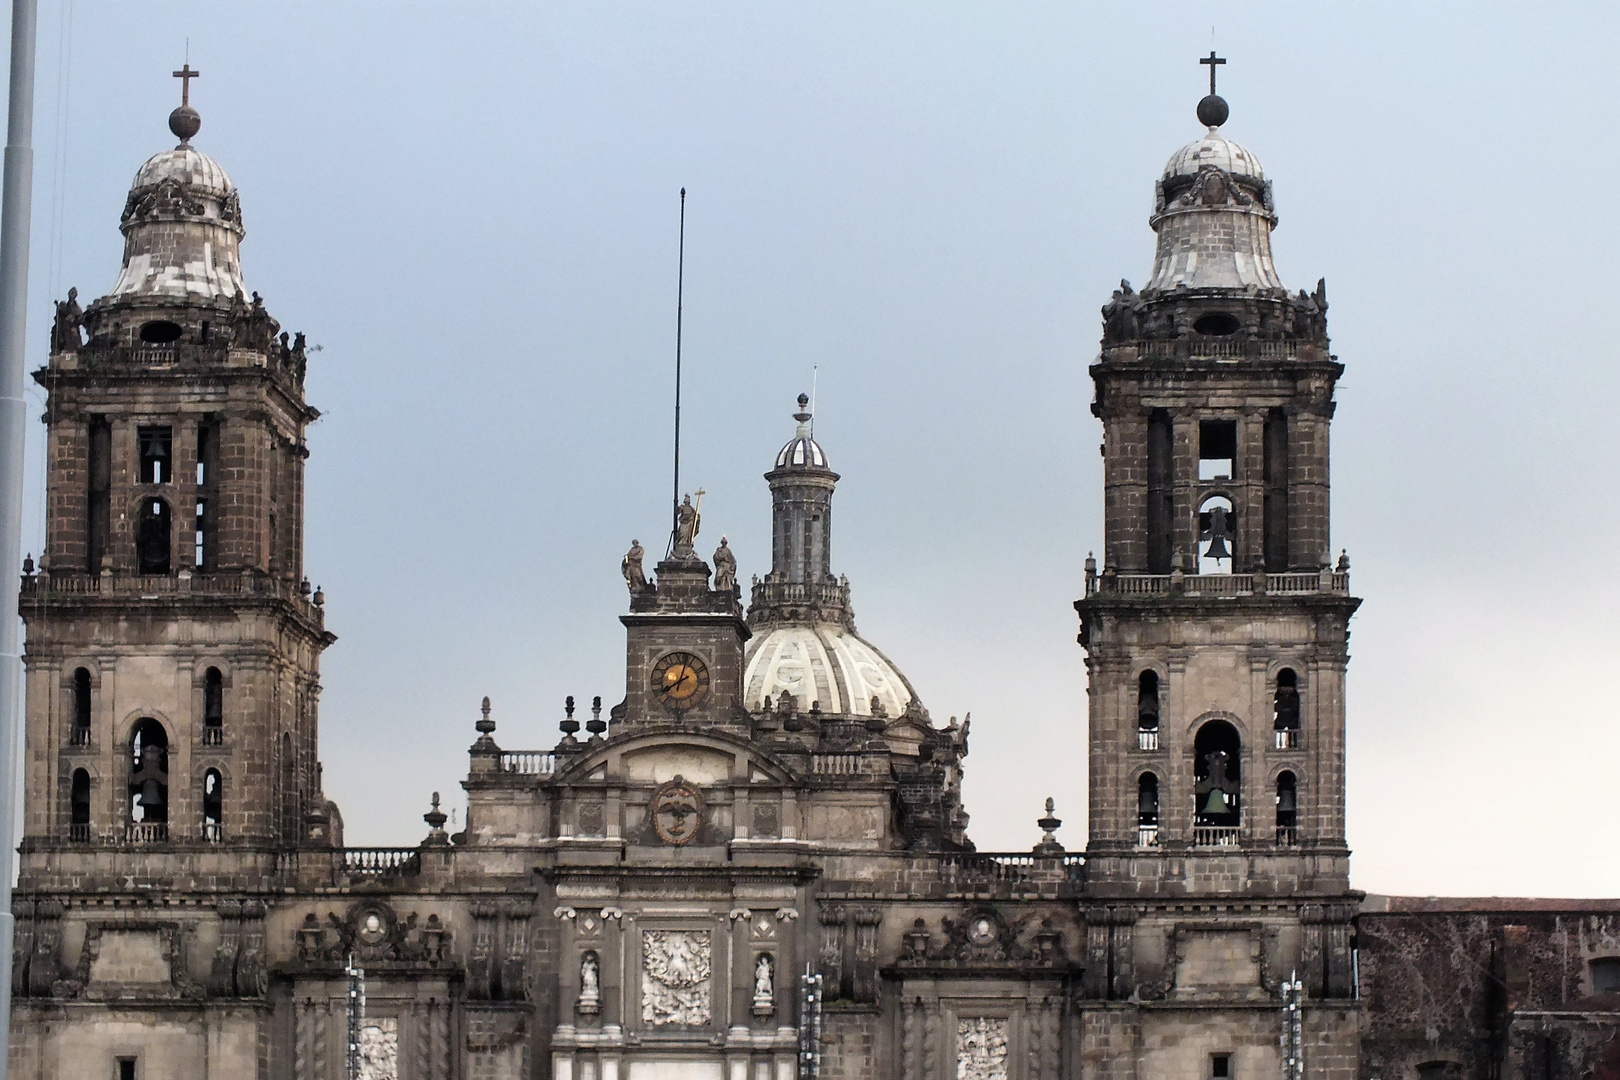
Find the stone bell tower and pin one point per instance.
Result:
(1217, 630)
(172, 641)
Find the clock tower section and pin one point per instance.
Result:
(684, 640)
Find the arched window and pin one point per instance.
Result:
(1217, 787)
(79, 807)
(213, 806)
(149, 781)
(81, 707)
(213, 708)
(1147, 811)
(1147, 711)
(1217, 536)
(152, 538)
(1287, 809)
(1285, 710)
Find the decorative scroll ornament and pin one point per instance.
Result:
(677, 812)
(675, 978)
(981, 1048)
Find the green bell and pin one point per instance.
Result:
(1216, 803)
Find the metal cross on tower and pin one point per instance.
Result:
(1212, 60)
(185, 75)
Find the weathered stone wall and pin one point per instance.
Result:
(1446, 981)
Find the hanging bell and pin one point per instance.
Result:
(1217, 534)
(1216, 803)
(1286, 803)
(1147, 803)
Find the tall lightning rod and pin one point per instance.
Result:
(680, 292)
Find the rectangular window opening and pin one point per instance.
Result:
(126, 1068)
(1217, 449)
(156, 446)
(1220, 1066)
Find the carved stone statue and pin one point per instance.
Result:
(631, 567)
(764, 985)
(687, 522)
(1120, 319)
(590, 983)
(65, 331)
(725, 568)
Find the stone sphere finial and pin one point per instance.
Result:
(1213, 110)
(185, 123)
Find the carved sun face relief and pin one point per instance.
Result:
(680, 680)
(677, 812)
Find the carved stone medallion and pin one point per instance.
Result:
(675, 970)
(677, 812)
(981, 1048)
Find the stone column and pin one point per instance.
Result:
(910, 1035)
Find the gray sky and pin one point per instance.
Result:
(472, 208)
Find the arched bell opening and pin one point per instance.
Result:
(152, 540)
(1287, 808)
(1217, 775)
(213, 707)
(213, 806)
(81, 707)
(149, 774)
(1285, 710)
(1147, 810)
(79, 806)
(1217, 536)
(1147, 711)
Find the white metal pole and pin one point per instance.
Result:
(15, 206)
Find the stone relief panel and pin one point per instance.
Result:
(981, 1048)
(675, 978)
(379, 1048)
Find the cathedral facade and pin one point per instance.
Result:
(756, 866)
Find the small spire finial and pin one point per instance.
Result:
(803, 415)
(1212, 110)
(184, 121)
(485, 725)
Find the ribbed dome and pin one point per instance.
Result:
(187, 165)
(182, 223)
(802, 450)
(1217, 150)
(824, 665)
(1213, 213)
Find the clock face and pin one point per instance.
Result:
(680, 680)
